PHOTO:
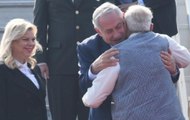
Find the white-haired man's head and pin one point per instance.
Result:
(102, 10)
(138, 18)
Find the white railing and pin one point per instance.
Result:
(189, 107)
(188, 10)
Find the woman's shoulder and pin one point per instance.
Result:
(3, 67)
(2, 64)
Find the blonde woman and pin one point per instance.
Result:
(22, 91)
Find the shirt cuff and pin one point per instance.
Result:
(176, 73)
(91, 75)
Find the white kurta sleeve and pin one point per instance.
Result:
(102, 86)
(180, 53)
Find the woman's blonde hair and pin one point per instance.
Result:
(14, 30)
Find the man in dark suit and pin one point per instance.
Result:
(93, 56)
(61, 23)
(89, 51)
(164, 14)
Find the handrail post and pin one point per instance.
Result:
(188, 10)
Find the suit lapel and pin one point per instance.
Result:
(24, 82)
(40, 82)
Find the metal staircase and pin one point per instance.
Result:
(183, 37)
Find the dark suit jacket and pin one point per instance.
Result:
(90, 49)
(164, 16)
(64, 23)
(19, 98)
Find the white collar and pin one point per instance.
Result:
(20, 65)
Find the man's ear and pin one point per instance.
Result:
(151, 27)
(98, 31)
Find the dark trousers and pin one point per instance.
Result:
(65, 99)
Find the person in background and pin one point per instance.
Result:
(61, 24)
(124, 4)
(22, 91)
(164, 14)
(93, 56)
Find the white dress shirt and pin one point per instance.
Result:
(180, 53)
(27, 72)
(105, 80)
